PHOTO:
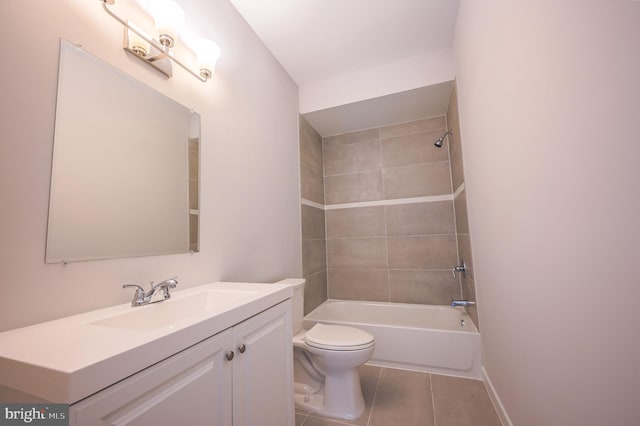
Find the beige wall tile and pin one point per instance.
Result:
(423, 286)
(352, 158)
(425, 252)
(314, 257)
(420, 218)
(462, 221)
(354, 187)
(469, 293)
(412, 149)
(417, 181)
(312, 223)
(194, 158)
(311, 184)
(359, 284)
(193, 232)
(413, 127)
(357, 253)
(464, 248)
(353, 137)
(193, 194)
(315, 291)
(310, 146)
(462, 402)
(454, 141)
(356, 222)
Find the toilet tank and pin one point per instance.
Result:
(297, 301)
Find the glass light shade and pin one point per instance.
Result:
(207, 53)
(169, 18)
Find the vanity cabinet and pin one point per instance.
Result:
(242, 376)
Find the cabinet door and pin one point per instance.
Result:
(263, 371)
(192, 387)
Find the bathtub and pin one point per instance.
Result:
(431, 338)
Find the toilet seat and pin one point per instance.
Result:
(338, 338)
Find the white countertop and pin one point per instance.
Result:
(68, 359)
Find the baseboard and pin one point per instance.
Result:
(495, 400)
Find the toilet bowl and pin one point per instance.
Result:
(336, 352)
(327, 381)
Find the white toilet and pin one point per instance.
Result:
(329, 356)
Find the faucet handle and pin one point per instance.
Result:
(460, 268)
(172, 282)
(138, 296)
(139, 290)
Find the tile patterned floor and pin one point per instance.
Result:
(408, 398)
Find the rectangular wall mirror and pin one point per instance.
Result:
(125, 173)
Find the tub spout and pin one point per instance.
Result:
(463, 303)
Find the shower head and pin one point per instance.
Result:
(438, 143)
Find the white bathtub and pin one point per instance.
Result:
(432, 338)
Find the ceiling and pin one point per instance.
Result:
(317, 40)
(410, 105)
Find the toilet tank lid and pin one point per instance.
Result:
(337, 336)
(293, 282)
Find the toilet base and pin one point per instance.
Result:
(344, 399)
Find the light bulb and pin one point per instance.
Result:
(207, 53)
(169, 18)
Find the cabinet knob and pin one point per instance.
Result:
(242, 348)
(229, 355)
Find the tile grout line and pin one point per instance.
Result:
(384, 217)
(389, 202)
(375, 393)
(324, 209)
(433, 402)
(454, 195)
(306, 417)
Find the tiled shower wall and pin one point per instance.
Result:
(389, 215)
(314, 249)
(460, 201)
(384, 214)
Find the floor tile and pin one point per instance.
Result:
(369, 377)
(300, 418)
(403, 398)
(462, 402)
(322, 421)
(406, 398)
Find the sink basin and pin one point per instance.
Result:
(170, 312)
(76, 356)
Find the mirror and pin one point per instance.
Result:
(125, 171)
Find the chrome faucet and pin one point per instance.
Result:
(140, 297)
(459, 268)
(463, 303)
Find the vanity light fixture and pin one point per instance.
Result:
(168, 17)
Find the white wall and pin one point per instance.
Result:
(549, 98)
(250, 223)
(385, 79)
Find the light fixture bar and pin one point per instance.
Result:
(152, 42)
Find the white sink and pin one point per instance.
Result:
(168, 313)
(76, 356)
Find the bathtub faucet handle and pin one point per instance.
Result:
(460, 268)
